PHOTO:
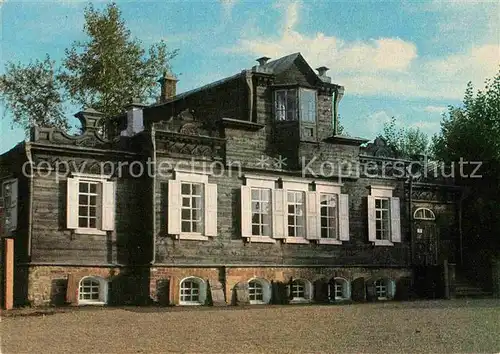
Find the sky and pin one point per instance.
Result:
(404, 59)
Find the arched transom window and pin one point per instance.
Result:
(424, 214)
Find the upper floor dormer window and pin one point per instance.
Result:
(287, 109)
(297, 105)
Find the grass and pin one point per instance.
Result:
(392, 327)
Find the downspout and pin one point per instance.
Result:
(339, 93)
(153, 194)
(248, 78)
(30, 203)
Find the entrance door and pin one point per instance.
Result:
(426, 238)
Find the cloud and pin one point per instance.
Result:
(435, 109)
(378, 66)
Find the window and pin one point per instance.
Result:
(286, 105)
(380, 289)
(255, 292)
(308, 105)
(333, 217)
(259, 291)
(328, 216)
(8, 206)
(92, 291)
(382, 218)
(339, 289)
(300, 291)
(295, 204)
(90, 204)
(192, 206)
(384, 289)
(193, 291)
(384, 225)
(297, 105)
(257, 209)
(424, 214)
(87, 204)
(261, 212)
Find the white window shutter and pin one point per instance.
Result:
(210, 209)
(246, 211)
(174, 207)
(72, 203)
(391, 288)
(13, 205)
(108, 205)
(279, 213)
(395, 220)
(343, 217)
(313, 216)
(372, 233)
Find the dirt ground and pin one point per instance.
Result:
(411, 327)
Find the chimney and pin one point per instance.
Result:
(135, 119)
(168, 86)
(263, 60)
(322, 74)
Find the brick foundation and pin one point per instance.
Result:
(48, 285)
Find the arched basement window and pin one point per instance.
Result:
(92, 291)
(193, 291)
(259, 291)
(339, 289)
(300, 290)
(384, 289)
(424, 214)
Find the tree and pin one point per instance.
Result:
(33, 94)
(406, 142)
(105, 72)
(471, 134)
(110, 69)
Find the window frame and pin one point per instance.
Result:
(394, 222)
(202, 291)
(424, 210)
(307, 289)
(292, 185)
(103, 203)
(385, 233)
(266, 291)
(256, 182)
(298, 114)
(103, 291)
(175, 200)
(327, 188)
(345, 289)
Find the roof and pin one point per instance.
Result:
(279, 65)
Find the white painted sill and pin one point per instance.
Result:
(91, 303)
(328, 241)
(296, 240)
(86, 231)
(383, 243)
(261, 239)
(190, 303)
(194, 237)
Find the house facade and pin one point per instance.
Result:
(240, 191)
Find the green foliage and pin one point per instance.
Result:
(472, 131)
(110, 69)
(406, 142)
(105, 72)
(33, 94)
(341, 129)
